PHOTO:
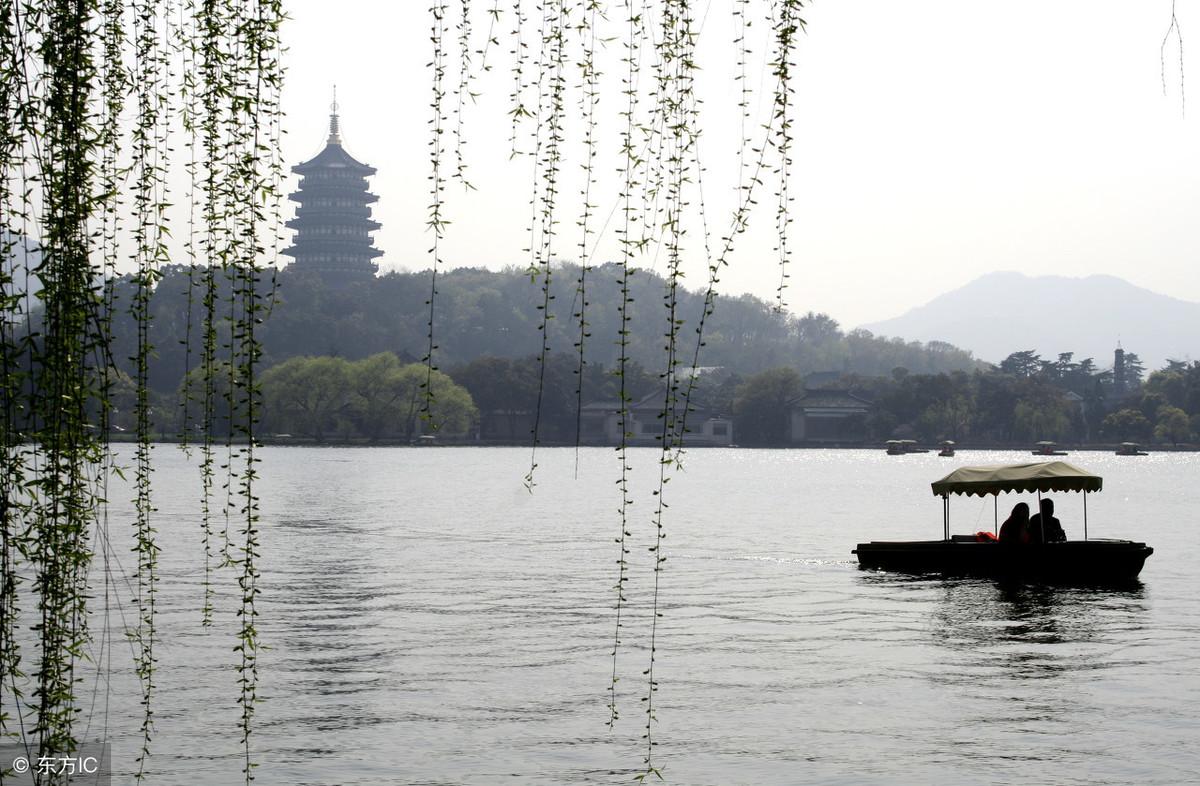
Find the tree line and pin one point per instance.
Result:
(484, 313)
(343, 363)
(381, 398)
(1021, 400)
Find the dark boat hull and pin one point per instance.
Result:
(1076, 561)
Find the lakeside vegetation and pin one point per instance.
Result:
(1022, 400)
(341, 365)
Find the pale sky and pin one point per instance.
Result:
(936, 141)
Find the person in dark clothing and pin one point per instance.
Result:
(1015, 526)
(1043, 527)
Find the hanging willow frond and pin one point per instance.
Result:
(660, 196)
(547, 158)
(787, 25)
(437, 222)
(589, 98)
(69, 69)
(150, 72)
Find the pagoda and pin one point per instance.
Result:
(333, 221)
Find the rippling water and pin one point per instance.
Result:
(430, 622)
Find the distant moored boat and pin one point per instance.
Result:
(1130, 449)
(1047, 448)
(901, 447)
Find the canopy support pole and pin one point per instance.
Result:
(1085, 514)
(946, 515)
(1041, 519)
(996, 514)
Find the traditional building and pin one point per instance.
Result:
(829, 416)
(600, 423)
(333, 221)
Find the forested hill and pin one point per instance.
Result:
(481, 312)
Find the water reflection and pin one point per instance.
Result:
(1025, 631)
(326, 646)
(1017, 667)
(978, 613)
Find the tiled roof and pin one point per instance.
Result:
(830, 399)
(333, 156)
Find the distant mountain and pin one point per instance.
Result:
(18, 255)
(1002, 313)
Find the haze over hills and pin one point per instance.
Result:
(1005, 312)
(18, 255)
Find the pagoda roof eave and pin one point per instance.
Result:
(308, 192)
(333, 155)
(319, 220)
(308, 248)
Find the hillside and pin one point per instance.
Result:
(1000, 313)
(18, 255)
(482, 313)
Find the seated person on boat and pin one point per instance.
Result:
(1014, 527)
(1044, 527)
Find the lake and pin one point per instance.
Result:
(432, 622)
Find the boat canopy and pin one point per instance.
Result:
(1037, 476)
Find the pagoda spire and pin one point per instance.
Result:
(335, 137)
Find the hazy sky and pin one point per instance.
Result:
(936, 141)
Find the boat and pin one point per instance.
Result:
(1087, 561)
(1130, 449)
(947, 450)
(902, 447)
(1048, 448)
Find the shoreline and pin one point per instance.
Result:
(275, 441)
